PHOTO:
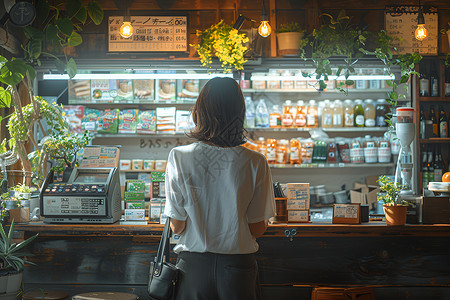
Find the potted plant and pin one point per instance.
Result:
(394, 207)
(22, 191)
(15, 207)
(224, 42)
(11, 263)
(288, 38)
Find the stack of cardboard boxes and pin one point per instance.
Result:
(298, 202)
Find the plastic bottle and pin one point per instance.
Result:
(288, 114)
(282, 152)
(312, 114)
(359, 113)
(275, 117)
(348, 114)
(300, 116)
(262, 114)
(327, 114)
(338, 114)
(294, 152)
(249, 113)
(261, 146)
(271, 154)
(369, 113)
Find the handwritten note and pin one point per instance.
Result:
(401, 23)
(151, 34)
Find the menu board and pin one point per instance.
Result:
(401, 23)
(150, 34)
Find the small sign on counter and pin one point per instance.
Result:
(347, 213)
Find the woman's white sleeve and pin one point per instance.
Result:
(262, 205)
(174, 196)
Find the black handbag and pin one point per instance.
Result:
(163, 275)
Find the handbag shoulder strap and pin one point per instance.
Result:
(163, 249)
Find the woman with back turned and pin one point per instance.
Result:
(219, 198)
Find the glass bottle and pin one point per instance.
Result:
(443, 123)
(425, 172)
(375, 84)
(432, 117)
(312, 114)
(369, 113)
(348, 114)
(422, 123)
(294, 152)
(438, 166)
(382, 109)
(300, 116)
(447, 81)
(275, 117)
(361, 84)
(430, 166)
(271, 150)
(338, 114)
(327, 115)
(424, 82)
(434, 82)
(288, 114)
(359, 113)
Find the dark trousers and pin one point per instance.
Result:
(211, 276)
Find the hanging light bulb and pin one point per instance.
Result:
(421, 32)
(264, 29)
(126, 30)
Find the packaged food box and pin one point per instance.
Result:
(90, 119)
(166, 89)
(134, 204)
(124, 91)
(74, 117)
(158, 189)
(299, 216)
(183, 120)
(188, 89)
(146, 122)
(144, 90)
(158, 176)
(133, 185)
(295, 204)
(109, 121)
(165, 119)
(128, 120)
(79, 91)
(299, 191)
(134, 196)
(134, 214)
(154, 213)
(103, 90)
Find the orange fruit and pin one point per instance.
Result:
(446, 177)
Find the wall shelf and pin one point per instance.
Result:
(313, 91)
(435, 140)
(434, 99)
(140, 136)
(343, 129)
(335, 165)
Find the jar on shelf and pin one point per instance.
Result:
(375, 84)
(294, 152)
(300, 83)
(356, 152)
(287, 84)
(349, 113)
(261, 146)
(282, 152)
(369, 113)
(370, 150)
(384, 151)
(271, 151)
(259, 84)
(288, 114)
(245, 84)
(275, 117)
(338, 114)
(382, 109)
(327, 114)
(361, 84)
(358, 111)
(273, 84)
(312, 114)
(300, 115)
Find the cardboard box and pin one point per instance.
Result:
(365, 195)
(134, 214)
(134, 196)
(298, 191)
(299, 216)
(134, 204)
(20, 215)
(297, 204)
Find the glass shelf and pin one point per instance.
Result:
(313, 91)
(325, 165)
(140, 136)
(343, 129)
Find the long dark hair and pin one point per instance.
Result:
(219, 113)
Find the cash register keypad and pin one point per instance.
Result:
(55, 188)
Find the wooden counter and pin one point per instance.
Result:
(405, 262)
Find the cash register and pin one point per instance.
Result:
(84, 195)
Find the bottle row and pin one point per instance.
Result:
(432, 125)
(311, 114)
(433, 165)
(339, 150)
(429, 80)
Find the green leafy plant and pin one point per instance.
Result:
(337, 37)
(224, 42)
(22, 188)
(12, 258)
(289, 27)
(391, 195)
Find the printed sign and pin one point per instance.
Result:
(346, 213)
(401, 23)
(150, 34)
